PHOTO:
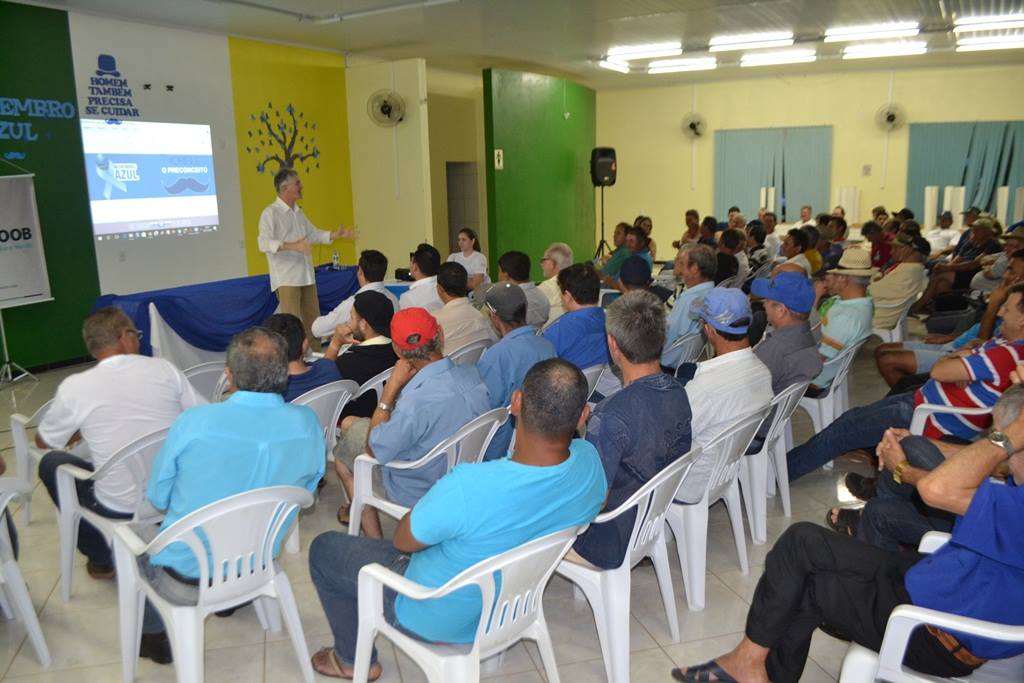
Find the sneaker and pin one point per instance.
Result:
(862, 488)
(157, 647)
(100, 571)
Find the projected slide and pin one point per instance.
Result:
(149, 179)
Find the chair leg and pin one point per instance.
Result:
(5, 604)
(692, 545)
(290, 612)
(186, 631)
(782, 477)
(744, 476)
(547, 650)
(67, 522)
(732, 505)
(14, 584)
(668, 595)
(268, 614)
(291, 544)
(364, 650)
(755, 493)
(355, 514)
(615, 598)
(25, 474)
(131, 604)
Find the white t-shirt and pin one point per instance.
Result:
(475, 264)
(941, 239)
(422, 294)
(801, 261)
(121, 399)
(773, 242)
(342, 313)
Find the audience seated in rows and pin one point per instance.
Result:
(578, 336)
(302, 376)
(514, 267)
(557, 257)
(551, 481)
(505, 364)
(900, 282)
(846, 316)
(426, 400)
(422, 293)
(370, 274)
(695, 267)
(462, 324)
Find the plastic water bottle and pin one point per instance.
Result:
(335, 262)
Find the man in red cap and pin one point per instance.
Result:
(426, 400)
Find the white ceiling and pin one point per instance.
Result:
(565, 36)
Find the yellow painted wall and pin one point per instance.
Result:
(655, 178)
(266, 78)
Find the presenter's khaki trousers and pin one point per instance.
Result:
(301, 302)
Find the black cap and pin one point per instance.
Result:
(376, 309)
(635, 271)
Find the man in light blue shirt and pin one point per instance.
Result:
(578, 335)
(253, 440)
(504, 365)
(551, 481)
(848, 320)
(695, 266)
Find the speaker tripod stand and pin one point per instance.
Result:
(602, 247)
(10, 372)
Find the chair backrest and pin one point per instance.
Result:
(9, 490)
(233, 540)
(375, 384)
(593, 374)
(607, 296)
(327, 401)
(21, 424)
(764, 270)
(691, 344)
(470, 353)
(466, 445)
(728, 447)
(137, 459)
(927, 410)
(903, 306)
(783, 404)
(733, 281)
(652, 501)
(208, 379)
(848, 355)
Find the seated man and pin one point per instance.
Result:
(462, 324)
(760, 251)
(370, 352)
(578, 336)
(422, 293)
(124, 397)
(993, 267)
(504, 365)
(514, 266)
(966, 261)
(635, 276)
(695, 267)
(729, 244)
(556, 257)
(252, 440)
(370, 274)
(881, 248)
(611, 263)
(426, 400)
(943, 235)
(302, 376)
(848, 319)
(814, 577)
(813, 256)
(474, 512)
(903, 281)
(793, 248)
(969, 378)
(641, 429)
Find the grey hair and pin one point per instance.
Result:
(859, 280)
(702, 256)
(284, 177)
(103, 328)
(258, 360)
(560, 253)
(636, 321)
(423, 352)
(1008, 407)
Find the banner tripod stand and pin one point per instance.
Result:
(11, 372)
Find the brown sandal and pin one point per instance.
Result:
(335, 670)
(343, 516)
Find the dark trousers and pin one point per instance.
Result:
(814, 576)
(90, 541)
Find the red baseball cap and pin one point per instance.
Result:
(411, 328)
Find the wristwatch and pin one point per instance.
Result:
(386, 407)
(1002, 440)
(897, 472)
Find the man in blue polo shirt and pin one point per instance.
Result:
(302, 376)
(578, 335)
(504, 365)
(551, 481)
(695, 266)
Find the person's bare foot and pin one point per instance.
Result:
(326, 663)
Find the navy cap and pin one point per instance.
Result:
(635, 271)
(790, 289)
(726, 309)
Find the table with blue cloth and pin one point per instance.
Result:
(192, 324)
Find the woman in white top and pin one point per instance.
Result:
(471, 259)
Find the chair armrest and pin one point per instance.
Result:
(12, 485)
(23, 421)
(375, 575)
(130, 539)
(410, 464)
(74, 471)
(926, 410)
(932, 541)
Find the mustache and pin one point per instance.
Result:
(182, 184)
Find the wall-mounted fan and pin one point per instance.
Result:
(694, 125)
(890, 116)
(386, 108)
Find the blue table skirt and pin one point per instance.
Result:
(208, 315)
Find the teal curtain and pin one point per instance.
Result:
(807, 167)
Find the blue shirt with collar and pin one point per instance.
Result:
(318, 373)
(250, 441)
(679, 321)
(503, 368)
(579, 337)
(436, 403)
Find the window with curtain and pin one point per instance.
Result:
(981, 156)
(797, 162)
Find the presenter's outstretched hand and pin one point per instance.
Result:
(345, 232)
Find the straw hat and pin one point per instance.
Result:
(856, 262)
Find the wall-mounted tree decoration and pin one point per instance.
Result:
(289, 141)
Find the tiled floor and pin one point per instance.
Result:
(82, 634)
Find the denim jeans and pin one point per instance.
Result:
(896, 516)
(335, 559)
(90, 541)
(856, 428)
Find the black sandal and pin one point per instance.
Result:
(702, 673)
(846, 520)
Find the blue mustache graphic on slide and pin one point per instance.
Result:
(185, 184)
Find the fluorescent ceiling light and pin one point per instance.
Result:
(901, 29)
(669, 66)
(981, 43)
(614, 66)
(750, 41)
(624, 53)
(989, 19)
(780, 57)
(870, 50)
(992, 26)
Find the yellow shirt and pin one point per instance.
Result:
(814, 258)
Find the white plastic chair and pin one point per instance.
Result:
(327, 401)
(861, 665)
(208, 379)
(733, 281)
(691, 346)
(15, 600)
(466, 445)
(470, 353)
(754, 468)
(593, 374)
(233, 541)
(926, 410)
(835, 401)
(374, 384)
(607, 296)
(689, 522)
(898, 332)
(608, 590)
(137, 458)
(510, 615)
(26, 454)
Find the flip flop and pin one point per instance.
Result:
(343, 517)
(702, 673)
(335, 671)
(846, 520)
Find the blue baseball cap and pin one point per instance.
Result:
(792, 290)
(724, 308)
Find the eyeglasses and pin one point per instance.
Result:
(137, 333)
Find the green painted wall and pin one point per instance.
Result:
(546, 128)
(37, 64)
